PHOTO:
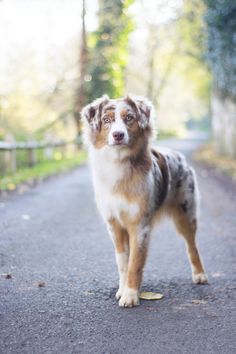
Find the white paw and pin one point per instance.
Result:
(200, 278)
(129, 298)
(119, 294)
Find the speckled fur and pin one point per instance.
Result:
(135, 185)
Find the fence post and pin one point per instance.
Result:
(31, 157)
(10, 152)
(10, 160)
(63, 150)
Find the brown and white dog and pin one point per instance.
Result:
(135, 185)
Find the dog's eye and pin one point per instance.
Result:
(129, 117)
(106, 120)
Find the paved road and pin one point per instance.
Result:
(54, 234)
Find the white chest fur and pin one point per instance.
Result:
(107, 171)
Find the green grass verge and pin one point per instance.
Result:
(41, 170)
(207, 155)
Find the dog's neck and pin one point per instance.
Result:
(120, 164)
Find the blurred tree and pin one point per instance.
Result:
(192, 32)
(108, 50)
(34, 94)
(157, 31)
(167, 63)
(158, 74)
(80, 97)
(191, 26)
(220, 17)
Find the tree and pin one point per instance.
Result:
(108, 52)
(80, 97)
(193, 47)
(220, 17)
(158, 77)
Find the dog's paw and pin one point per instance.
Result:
(129, 298)
(200, 278)
(119, 294)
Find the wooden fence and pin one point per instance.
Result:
(10, 156)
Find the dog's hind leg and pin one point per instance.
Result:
(120, 239)
(187, 228)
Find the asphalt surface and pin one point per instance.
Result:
(53, 236)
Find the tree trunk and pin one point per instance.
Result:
(224, 124)
(80, 98)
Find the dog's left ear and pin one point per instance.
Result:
(143, 108)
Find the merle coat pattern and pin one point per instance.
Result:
(135, 185)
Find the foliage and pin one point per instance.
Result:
(209, 157)
(191, 26)
(193, 37)
(22, 113)
(220, 18)
(108, 50)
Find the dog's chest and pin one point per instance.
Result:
(106, 173)
(113, 205)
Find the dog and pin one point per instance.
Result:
(135, 185)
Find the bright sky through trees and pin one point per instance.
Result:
(46, 24)
(42, 25)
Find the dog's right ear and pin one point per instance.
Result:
(92, 112)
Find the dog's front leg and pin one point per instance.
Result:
(120, 239)
(138, 243)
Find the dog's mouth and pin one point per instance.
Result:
(119, 144)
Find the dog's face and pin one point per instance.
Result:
(117, 122)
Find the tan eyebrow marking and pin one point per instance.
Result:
(124, 113)
(110, 113)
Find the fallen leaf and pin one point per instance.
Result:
(149, 295)
(197, 302)
(88, 293)
(11, 186)
(41, 284)
(8, 276)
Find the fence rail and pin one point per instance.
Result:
(28, 145)
(9, 150)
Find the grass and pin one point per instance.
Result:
(226, 164)
(40, 171)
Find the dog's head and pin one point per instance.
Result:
(117, 122)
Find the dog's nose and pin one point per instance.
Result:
(118, 136)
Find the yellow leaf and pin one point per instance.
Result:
(148, 295)
(11, 186)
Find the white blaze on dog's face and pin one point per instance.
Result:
(118, 133)
(117, 123)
